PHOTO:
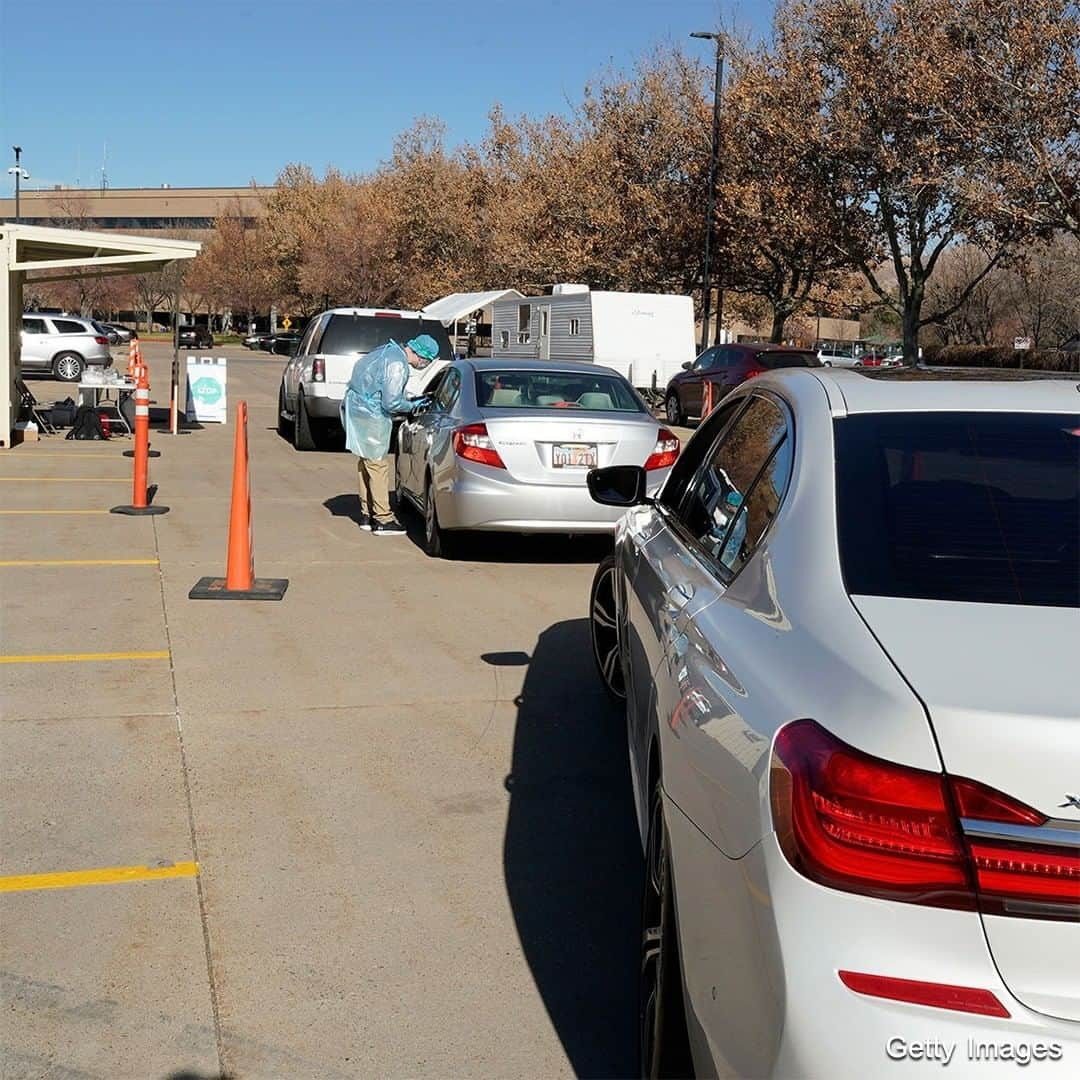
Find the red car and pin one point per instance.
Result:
(725, 366)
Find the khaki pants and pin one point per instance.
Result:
(373, 484)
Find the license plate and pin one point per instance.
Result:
(573, 456)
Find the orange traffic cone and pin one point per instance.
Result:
(707, 399)
(239, 582)
(142, 492)
(133, 353)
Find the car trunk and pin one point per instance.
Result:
(999, 683)
(531, 441)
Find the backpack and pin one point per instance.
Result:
(86, 425)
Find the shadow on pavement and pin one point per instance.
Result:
(572, 857)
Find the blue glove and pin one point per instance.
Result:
(419, 405)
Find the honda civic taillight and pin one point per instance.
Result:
(318, 369)
(861, 824)
(665, 452)
(473, 443)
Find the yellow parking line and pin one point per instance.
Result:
(54, 511)
(65, 479)
(78, 562)
(110, 875)
(79, 658)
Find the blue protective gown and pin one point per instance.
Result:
(376, 392)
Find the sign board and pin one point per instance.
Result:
(286, 322)
(206, 399)
(1022, 343)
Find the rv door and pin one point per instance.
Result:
(543, 336)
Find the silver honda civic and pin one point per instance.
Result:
(506, 446)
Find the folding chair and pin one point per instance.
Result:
(31, 405)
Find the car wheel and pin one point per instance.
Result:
(604, 628)
(303, 438)
(665, 1047)
(68, 366)
(674, 410)
(437, 543)
(284, 427)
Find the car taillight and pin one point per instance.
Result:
(101, 341)
(665, 452)
(861, 824)
(318, 369)
(473, 443)
(754, 372)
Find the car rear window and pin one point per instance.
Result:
(978, 507)
(785, 358)
(348, 334)
(555, 390)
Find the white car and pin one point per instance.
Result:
(62, 345)
(848, 634)
(315, 377)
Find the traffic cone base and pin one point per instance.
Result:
(149, 453)
(139, 511)
(213, 588)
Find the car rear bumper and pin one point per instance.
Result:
(323, 400)
(765, 993)
(483, 498)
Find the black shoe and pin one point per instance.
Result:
(390, 529)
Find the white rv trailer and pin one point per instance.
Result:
(645, 336)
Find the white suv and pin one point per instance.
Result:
(314, 380)
(62, 345)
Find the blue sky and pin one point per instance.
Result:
(193, 92)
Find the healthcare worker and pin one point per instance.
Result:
(376, 393)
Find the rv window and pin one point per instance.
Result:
(524, 318)
(575, 327)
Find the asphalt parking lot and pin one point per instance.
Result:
(382, 827)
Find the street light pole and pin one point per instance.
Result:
(714, 154)
(20, 174)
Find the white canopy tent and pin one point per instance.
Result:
(457, 305)
(54, 254)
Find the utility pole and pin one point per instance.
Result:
(714, 154)
(20, 175)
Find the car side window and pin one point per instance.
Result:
(68, 326)
(34, 326)
(695, 452)
(716, 511)
(447, 393)
(309, 336)
(705, 360)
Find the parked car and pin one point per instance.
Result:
(833, 358)
(845, 634)
(314, 380)
(506, 446)
(195, 337)
(877, 360)
(283, 342)
(725, 366)
(105, 331)
(124, 333)
(252, 340)
(62, 347)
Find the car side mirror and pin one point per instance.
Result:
(617, 485)
(687, 365)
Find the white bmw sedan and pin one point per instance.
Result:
(848, 638)
(506, 446)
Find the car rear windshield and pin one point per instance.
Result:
(978, 507)
(349, 334)
(555, 390)
(785, 358)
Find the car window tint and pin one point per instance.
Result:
(759, 509)
(973, 507)
(704, 361)
(771, 359)
(447, 392)
(347, 335)
(69, 326)
(34, 326)
(682, 472)
(723, 483)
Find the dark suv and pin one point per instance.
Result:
(195, 337)
(725, 366)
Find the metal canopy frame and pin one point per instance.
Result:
(26, 249)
